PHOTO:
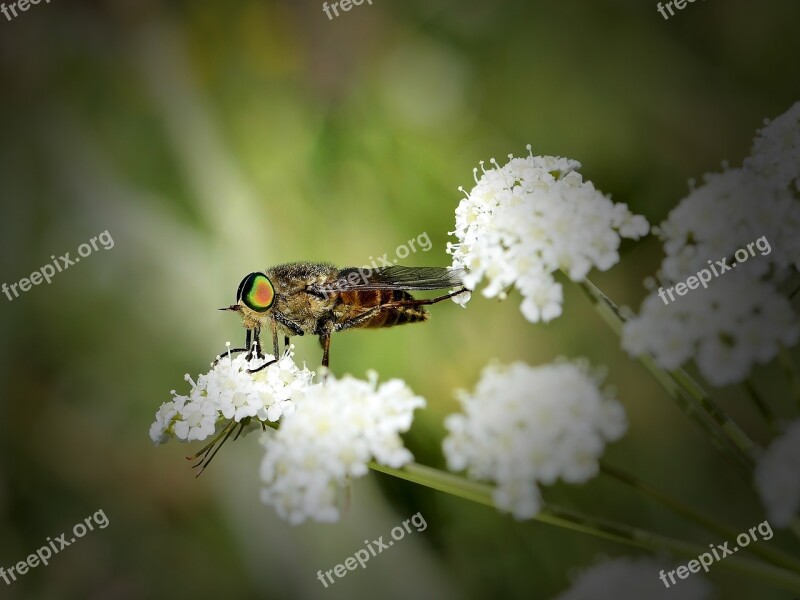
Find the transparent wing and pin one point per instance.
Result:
(393, 278)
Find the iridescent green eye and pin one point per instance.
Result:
(256, 292)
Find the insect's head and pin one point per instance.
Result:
(256, 293)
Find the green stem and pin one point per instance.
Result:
(760, 405)
(769, 553)
(601, 528)
(646, 540)
(692, 399)
(441, 481)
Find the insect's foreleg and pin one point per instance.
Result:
(275, 347)
(256, 344)
(226, 352)
(264, 366)
(230, 351)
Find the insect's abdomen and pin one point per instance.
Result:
(389, 316)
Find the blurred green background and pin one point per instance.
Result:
(212, 139)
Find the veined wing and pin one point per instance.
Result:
(393, 278)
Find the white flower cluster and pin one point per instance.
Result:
(776, 150)
(778, 477)
(728, 328)
(525, 425)
(535, 215)
(628, 579)
(337, 429)
(742, 318)
(228, 392)
(730, 210)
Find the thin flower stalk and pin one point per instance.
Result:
(687, 393)
(600, 528)
(768, 553)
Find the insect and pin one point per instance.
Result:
(320, 299)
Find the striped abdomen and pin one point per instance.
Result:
(361, 301)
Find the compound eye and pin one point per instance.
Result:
(257, 292)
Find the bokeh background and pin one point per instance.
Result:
(211, 139)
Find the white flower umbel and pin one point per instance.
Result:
(529, 218)
(629, 579)
(229, 392)
(525, 425)
(776, 150)
(338, 428)
(728, 328)
(778, 477)
(729, 211)
(740, 227)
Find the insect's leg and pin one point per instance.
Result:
(257, 342)
(286, 343)
(234, 350)
(264, 366)
(261, 355)
(274, 346)
(426, 301)
(274, 338)
(366, 315)
(324, 330)
(225, 353)
(252, 343)
(325, 340)
(290, 325)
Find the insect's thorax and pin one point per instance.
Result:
(291, 282)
